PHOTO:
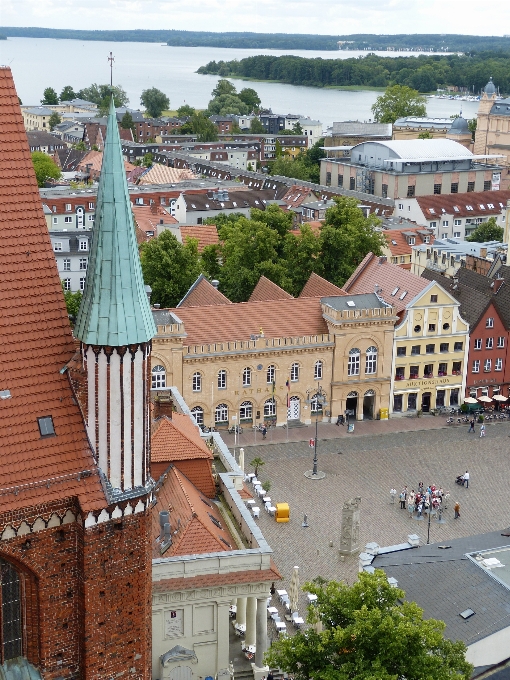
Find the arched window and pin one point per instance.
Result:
(271, 374)
(269, 408)
(294, 372)
(353, 365)
(198, 412)
(221, 413)
(246, 411)
(317, 370)
(315, 405)
(371, 360)
(158, 377)
(247, 377)
(222, 379)
(11, 631)
(196, 381)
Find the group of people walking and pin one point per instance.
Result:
(472, 428)
(431, 498)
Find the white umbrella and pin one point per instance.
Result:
(470, 400)
(485, 399)
(500, 397)
(294, 590)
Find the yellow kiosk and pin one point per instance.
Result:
(282, 513)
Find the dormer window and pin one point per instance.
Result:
(432, 211)
(469, 207)
(411, 241)
(482, 207)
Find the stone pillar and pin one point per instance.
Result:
(241, 611)
(349, 537)
(250, 639)
(223, 633)
(261, 632)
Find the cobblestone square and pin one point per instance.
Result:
(368, 466)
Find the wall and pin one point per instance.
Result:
(490, 378)
(491, 650)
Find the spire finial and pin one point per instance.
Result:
(111, 59)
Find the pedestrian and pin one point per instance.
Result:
(446, 500)
(420, 508)
(482, 430)
(269, 676)
(466, 479)
(456, 507)
(403, 498)
(420, 488)
(393, 495)
(410, 505)
(264, 431)
(472, 426)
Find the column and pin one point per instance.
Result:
(250, 639)
(261, 631)
(223, 651)
(241, 611)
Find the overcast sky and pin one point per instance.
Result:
(333, 17)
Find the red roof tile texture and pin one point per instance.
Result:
(213, 580)
(35, 340)
(316, 286)
(392, 281)
(206, 234)
(398, 243)
(203, 294)
(493, 203)
(267, 290)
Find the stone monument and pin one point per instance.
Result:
(349, 537)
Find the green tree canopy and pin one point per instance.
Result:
(127, 123)
(67, 94)
(223, 86)
(251, 98)
(289, 167)
(256, 127)
(369, 633)
(155, 102)
(301, 251)
(200, 125)
(49, 96)
(169, 267)
(396, 102)
(100, 95)
(185, 110)
(487, 231)
(44, 168)
(73, 302)
(54, 120)
(227, 104)
(346, 237)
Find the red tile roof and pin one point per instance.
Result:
(276, 318)
(434, 205)
(316, 286)
(214, 580)
(162, 174)
(35, 341)
(206, 234)
(391, 280)
(398, 243)
(94, 159)
(148, 217)
(177, 439)
(267, 290)
(297, 195)
(203, 294)
(193, 517)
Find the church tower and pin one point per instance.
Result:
(482, 118)
(115, 327)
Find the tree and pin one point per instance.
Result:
(203, 127)
(44, 168)
(346, 237)
(398, 101)
(80, 146)
(147, 160)
(289, 167)
(301, 252)
(155, 102)
(227, 104)
(472, 126)
(67, 94)
(184, 111)
(49, 96)
(251, 98)
(257, 463)
(127, 123)
(169, 267)
(223, 86)
(425, 135)
(256, 127)
(54, 120)
(101, 95)
(369, 632)
(297, 129)
(73, 302)
(487, 231)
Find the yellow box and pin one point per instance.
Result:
(384, 413)
(282, 513)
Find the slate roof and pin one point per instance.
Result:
(206, 234)
(69, 159)
(35, 341)
(316, 286)
(115, 310)
(434, 206)
(177, 439)
(38, 138)
(376, 272)
(267, 290)
(202, 294)
(473, 302)
(445, 583)
(363, 301)
(240, 198)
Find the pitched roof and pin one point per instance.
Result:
(206, 234)
(203, 294)
(463, 205)
(148, 217)
(391, 280)
(69, 159)
(276, 318)
(296, 195)
(267, 290)
(198, 525)
(398, 243)
(115, 310)
(95, 160)
(163, 174)
(316, 286)
(473, 302)
(42, 138)
(177, 439)
(228, 578)
(35, 341)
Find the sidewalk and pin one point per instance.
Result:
(279, 435)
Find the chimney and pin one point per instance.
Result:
(215, 283)
(148, 290)
(497, 284)
(161, 220)
(382, 259)
(164, 520)
(163, 406)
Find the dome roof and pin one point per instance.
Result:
(490, 88)
(459, 127)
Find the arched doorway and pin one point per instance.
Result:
(294, 410)
(425, 402)
(351, 405)
(368, 405)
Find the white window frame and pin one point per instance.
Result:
(489, 322)
(246, 411)
(353, 364)
(498, 364)
(66, 266)
(158, 377)
(501, 341)
(68, 219)
(57, 246)
(83, 264)
(270, 407)
(318, 370)
(247, 376)
(371, 361)
(294, 372)
(476, 366)
(271, 374)
(222, 379)
(487, 366)
(221, 413)
(196, 382)
(198, 413)
(489, 343)
(82, 283)
(84, 245)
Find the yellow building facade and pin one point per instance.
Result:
(430, 349)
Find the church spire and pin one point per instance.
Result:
(115, 310)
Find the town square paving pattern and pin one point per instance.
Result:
(369, 466)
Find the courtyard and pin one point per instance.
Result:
(369, 465)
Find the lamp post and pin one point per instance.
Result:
(320, 400)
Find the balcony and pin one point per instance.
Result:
(435, 266)
(428, 375)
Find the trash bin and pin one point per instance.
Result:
(384, 413)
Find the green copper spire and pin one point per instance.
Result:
(115, 310)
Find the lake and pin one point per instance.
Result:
(40, 63)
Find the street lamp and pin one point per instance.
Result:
(319, 400)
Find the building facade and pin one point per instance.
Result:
(493, 125)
